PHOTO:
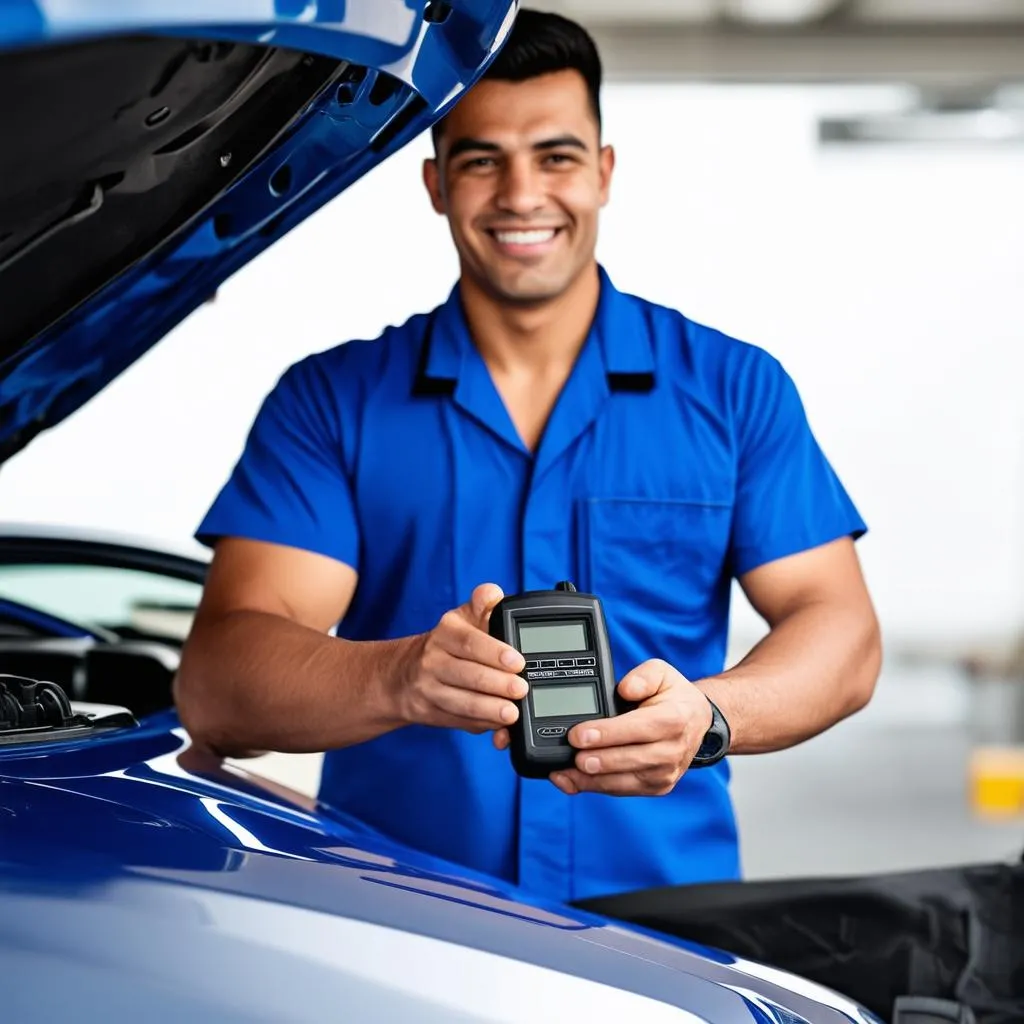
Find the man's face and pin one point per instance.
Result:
(521, 176)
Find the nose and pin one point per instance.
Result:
(521, 188)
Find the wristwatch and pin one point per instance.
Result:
(715, 744)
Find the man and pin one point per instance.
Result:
(538, 426)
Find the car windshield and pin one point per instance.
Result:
(130, 602)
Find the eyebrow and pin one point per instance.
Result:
(470, 145)
(562, 142)
(467, 145)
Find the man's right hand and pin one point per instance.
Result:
(458, 675)
(260, 670)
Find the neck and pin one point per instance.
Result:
(536, 337)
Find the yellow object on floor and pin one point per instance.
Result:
(997, 781)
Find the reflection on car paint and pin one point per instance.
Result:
(216, 811)
(462, 895)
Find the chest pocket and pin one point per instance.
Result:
(660, 567)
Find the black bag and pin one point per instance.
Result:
(915, 948)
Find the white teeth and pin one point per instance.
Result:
(524, 237)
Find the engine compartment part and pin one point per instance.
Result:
(31, 709)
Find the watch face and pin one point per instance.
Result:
(716, 739)
(712, 744)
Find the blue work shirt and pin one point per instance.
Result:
(675, 458)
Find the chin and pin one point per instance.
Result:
(528, 297)
(529, 292)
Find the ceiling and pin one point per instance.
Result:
(974, 43)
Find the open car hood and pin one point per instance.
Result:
(150, 148)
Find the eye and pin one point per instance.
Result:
(559, 159)
(478, 163)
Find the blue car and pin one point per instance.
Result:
(150, 149)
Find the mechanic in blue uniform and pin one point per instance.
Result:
(539, 425)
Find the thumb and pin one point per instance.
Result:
(483, 601)
(643, 682)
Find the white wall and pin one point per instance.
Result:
(888, 282)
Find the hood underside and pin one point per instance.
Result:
(115, 145)
(118, 143)
(139, 170)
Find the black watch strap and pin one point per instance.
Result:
(716, 740)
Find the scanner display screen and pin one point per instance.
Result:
(556, 701)
(552, 638)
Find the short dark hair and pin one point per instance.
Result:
(540, 43)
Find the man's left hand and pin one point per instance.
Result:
(645, 751)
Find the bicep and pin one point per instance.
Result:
(828, 573)
(311, 589)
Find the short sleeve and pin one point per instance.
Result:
(291, 485)
(788, 497)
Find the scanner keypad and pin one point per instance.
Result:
(560, 668)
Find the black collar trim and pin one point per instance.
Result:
(636, 383)
(424, 385)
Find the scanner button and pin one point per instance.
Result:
(532, 665)
(586, 662)
(553, 730)
(566, 662)
(548, 664)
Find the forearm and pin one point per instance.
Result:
(818, 665)
(251, 681)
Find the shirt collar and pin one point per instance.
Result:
(621, 330)
(445, 336)
(625, 337)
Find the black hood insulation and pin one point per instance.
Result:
(108, 147)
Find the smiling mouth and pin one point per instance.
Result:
(524, 237)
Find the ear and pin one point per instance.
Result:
(605, 168)
(432, 181)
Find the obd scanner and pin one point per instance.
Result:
(563, 638)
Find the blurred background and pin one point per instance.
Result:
(837, 181)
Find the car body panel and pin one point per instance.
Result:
(136, 824)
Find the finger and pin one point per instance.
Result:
(464, 724)
(468, 675)
(639, 757)
(644, 681)
(475, 707)
(573, 781)
(501, 739)
(471, 725)
(461, 639)
(650, 724)
(565, 782)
